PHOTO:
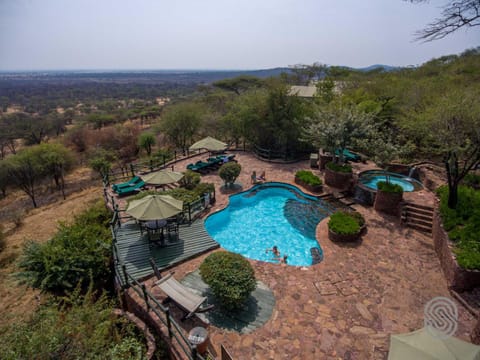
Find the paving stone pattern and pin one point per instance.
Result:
(346, 306)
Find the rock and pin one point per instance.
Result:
(362, 309)
(361, 330)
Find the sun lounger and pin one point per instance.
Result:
(131, 189)
(127, 184)
(350, 156)
(183, 296)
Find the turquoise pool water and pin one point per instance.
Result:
(373, 177)
(267, 215)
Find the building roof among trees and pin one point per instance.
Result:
(303, 91)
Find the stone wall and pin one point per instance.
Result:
(458, 279)
(341, 181)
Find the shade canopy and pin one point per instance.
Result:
(422, 345)
(162, 177)
(210, 144)
(154, 207)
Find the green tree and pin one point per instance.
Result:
(101, 161)
(456, 129)
(146, 141)
(337, 127)
(26, 170)
(181, 122)
(229, 172)
(5, 179)
(57, 160)
(239, 84)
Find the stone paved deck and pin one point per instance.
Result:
(347, 306)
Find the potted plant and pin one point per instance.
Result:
(339, 176)
(388, 197)
(346, 226)
(308, 180)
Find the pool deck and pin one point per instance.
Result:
(347, 306)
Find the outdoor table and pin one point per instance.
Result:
(198, 336)
(154, 226)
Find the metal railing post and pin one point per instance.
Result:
(169, 323)
(145, 296)
(124, 269)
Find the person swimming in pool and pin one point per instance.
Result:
(282, 260)
(274, 250)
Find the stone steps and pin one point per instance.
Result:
(418, 217)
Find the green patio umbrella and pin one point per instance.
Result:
(422, 345)
(162, 177)
(210, 144)
(154, 207)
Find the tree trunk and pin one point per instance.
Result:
(452, 195)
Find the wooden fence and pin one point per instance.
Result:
(174, 332)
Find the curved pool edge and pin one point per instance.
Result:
(268, 184)
(417, 185)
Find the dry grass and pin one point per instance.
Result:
(18, 301)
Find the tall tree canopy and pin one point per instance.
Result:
(456, 14)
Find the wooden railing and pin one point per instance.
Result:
(126, 173)
(126, 281)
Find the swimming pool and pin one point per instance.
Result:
(371, 178)
(267, 215)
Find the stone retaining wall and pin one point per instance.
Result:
(458, 279)
(339, 180)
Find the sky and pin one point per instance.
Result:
(218, 34)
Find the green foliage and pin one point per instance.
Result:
(472, 180)
(101, 161)
(82, 328)
(181, 122)
(389, 187)
(190, 179)
(76, 253)
(337, 126)
(146, 141)
(345, 223)
(339, 168)
(229, 172)
(308, 177)
(203, 188)
(230, 276)
(463, 224)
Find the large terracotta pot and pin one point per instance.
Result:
(346, 238)
(388, 202)
(311, 188)
(339, 180)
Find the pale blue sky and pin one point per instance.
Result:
(217, 34)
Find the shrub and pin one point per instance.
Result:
(308, 177)
(230, 276)
(472, 180)
(346, 223)
(203, 188)
(229, 172)
(463, 225)
(389, 187)
(339, 168)
(74, 254)
(80, 329)
(190, 179)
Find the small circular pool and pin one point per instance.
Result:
(267, 215)
(371, 178)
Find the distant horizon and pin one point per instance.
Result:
(116, 35)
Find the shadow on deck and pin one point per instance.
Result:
(134, 249)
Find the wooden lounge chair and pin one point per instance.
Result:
(184, 297)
